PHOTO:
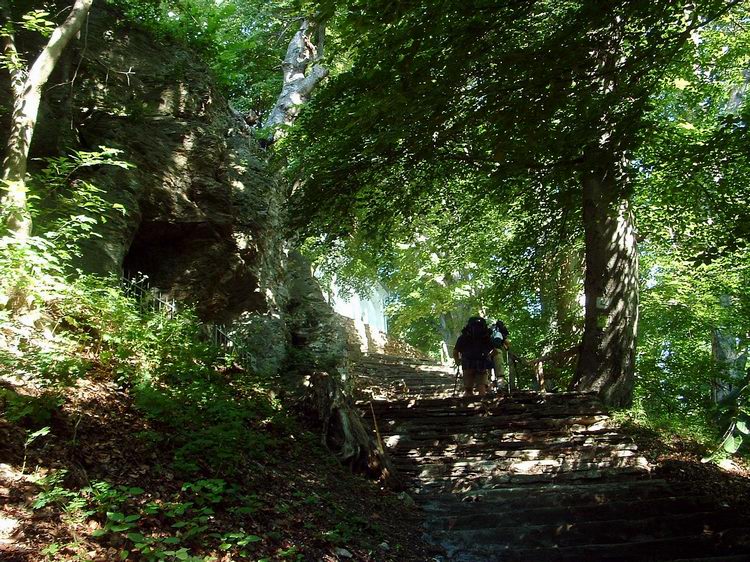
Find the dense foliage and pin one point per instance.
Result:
(454, 181)
(443, 159)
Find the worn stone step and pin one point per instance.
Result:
(726, 558)
(493, 514)
(495, 427)
(554, 446)
(460, 419)
(701, 547)
(520, 464)
(611, 531)
(473, 483)
(404, 444)
(519, 399)
(492, 473)
(555, 495)
(531, 399)
(482, 453)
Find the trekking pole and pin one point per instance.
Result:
(455, 382)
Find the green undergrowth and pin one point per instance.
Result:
(711, 433)
(190, 388)
(149, 443)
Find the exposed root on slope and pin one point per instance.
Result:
(344, 432)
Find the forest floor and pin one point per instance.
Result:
(100, 487)
(676, 458)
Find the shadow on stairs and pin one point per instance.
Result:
(535, 477)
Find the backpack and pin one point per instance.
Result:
(499, 333)
(476, 329)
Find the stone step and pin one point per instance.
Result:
(506, 471)
(473, 483)
(727, 558)
(520, 411)
(492, 425)
(569, 399)
(526, 464)
(553, 446)
(701, 547)
(495, 514)
(384, 357)
(607, 532)
(555, 495)
(404, 445)
(414, 458)
(529, 436)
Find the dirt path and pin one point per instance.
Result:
(536, 477)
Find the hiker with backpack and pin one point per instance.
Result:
(501, 343)
(474, 351)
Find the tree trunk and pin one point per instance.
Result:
(568, 310)
(559, 289)
(451, 324)
(729, 362)
(27, 96)
(607, 361)
(301, 54)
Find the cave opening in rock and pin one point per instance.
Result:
(195, 262)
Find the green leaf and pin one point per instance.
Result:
(732, 444)
(250, 539)
(171, 540)
(742, 427)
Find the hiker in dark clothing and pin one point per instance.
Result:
(474, 351)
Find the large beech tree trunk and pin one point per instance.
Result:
(607, 359)
(27, 93)
(305, 51)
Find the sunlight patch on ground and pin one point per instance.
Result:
(8, 527)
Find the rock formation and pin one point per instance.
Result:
(203, 211)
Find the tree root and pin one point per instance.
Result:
(345, 432)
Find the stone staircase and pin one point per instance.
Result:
(535, 477)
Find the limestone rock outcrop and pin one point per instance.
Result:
(203, 214)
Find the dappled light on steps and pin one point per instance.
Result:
(534, 476)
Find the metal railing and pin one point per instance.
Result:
(151, 299)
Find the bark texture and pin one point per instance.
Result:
(729, 362)
(607, 361)
(451, 324)
(27, 96)
(301, 74)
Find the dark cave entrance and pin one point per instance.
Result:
(197, 263)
